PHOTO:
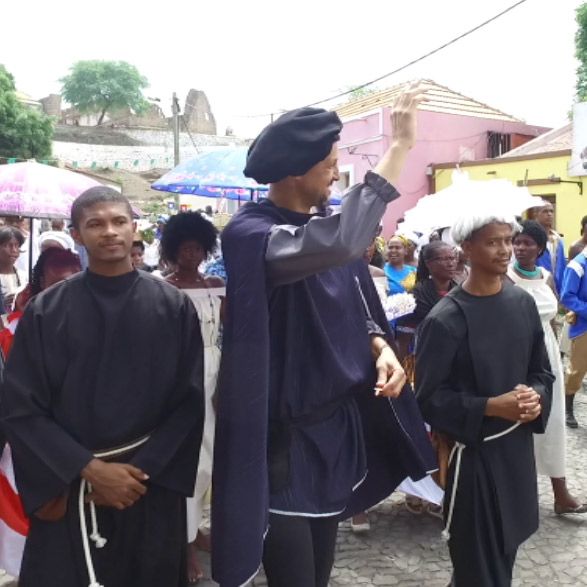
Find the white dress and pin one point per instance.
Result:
(549, 447)
(207, 302)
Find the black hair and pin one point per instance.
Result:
(52, 257)
(187, 226)
(536, 232)
(583, 223)
(7, 233)
(139, 244)
(377, 259)
(93, 196)
(427, 253)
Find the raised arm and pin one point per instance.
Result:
(295, 252)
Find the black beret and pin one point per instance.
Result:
(292, 144)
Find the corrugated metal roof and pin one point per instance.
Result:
(439, 99)
(26, 99)
(558, 139)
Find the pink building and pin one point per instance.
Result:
(451, 127)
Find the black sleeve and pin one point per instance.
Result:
(176, 442)
(423, 305)
(455, 413)
(46, 457)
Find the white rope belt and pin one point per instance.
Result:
(95, 536)
(458, 450)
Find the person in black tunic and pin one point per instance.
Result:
(103, 408)
(483, 379)
(311, 425)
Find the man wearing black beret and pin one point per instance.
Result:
(306, 367)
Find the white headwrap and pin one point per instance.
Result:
(58, 236)
(478, 216)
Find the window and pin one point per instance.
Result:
(498, 144)
(344, 181)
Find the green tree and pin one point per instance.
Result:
(100, 86)
(24, 133)
(581, 52)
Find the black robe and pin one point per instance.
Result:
(97, 363)
(426, 296)
(298, 355)
(471, 348)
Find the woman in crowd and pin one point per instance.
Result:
(53, 265)
(483, 379)
(137, 256)
(11, 278)
(188, 240)
(538, 282)
(401, 277)
(411, 239)
(434, 279)
(55, 238)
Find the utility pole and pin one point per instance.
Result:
(175, 111)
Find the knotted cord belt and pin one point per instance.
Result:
(458, 450)
(86, 488)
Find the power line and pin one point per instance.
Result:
(425, 56)
(189, 133)
(413, 61)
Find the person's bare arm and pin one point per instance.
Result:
(403, 116)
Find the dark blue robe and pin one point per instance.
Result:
(298, 423)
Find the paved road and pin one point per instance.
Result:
(406, 550)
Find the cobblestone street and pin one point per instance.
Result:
(406, 550)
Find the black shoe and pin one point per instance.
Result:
(570, 412)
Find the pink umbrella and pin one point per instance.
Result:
(35, 190)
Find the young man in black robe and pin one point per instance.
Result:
(103, 408)
(483, 379)
(302, 436)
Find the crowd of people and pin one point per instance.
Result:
(270, 377)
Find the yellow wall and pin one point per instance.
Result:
(570, 205)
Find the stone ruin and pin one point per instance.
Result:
(197, 115)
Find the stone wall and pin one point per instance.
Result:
(138, 157)
(164, 138)
(198, 114)
(52, 105)
(153, 117)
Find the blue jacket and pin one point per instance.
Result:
(574, 293)
(545, 260)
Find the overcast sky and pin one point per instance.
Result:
(257, 56)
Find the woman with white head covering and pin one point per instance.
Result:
(483, 381)
(55, 238)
